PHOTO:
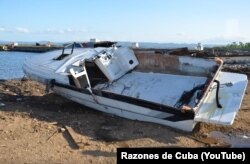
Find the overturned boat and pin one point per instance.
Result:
(172, 90)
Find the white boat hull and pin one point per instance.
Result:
(124, 110)
(162, 89)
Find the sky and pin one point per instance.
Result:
(162, 21)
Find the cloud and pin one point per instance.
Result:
(224, 39)
(231, 33)
(49, 30)
(22, 30)
(69, 30)
(53, 31)
(65, 31)
(181, 34)
(232, 28)
(212, 39)
(2, 29)
(46, 31)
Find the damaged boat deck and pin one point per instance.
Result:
(164, 89)
(170, 90)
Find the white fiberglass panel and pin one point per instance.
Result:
(164, 89)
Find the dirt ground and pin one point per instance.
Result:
(36, 127)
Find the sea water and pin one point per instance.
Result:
(11, 64)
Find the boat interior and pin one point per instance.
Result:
(179, 82)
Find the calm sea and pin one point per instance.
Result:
(11, 64)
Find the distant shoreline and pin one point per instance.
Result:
(29, 48)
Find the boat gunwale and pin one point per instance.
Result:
(131, 100)
(206, 92)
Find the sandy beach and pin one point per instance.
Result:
(39, 127)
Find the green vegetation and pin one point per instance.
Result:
(235, 46)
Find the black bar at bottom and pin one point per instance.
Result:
(194, 155)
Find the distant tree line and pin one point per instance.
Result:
(235, 45)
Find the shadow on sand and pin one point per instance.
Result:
(87, 122)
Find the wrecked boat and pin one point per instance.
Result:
(173, 90)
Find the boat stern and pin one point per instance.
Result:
(223, 100)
